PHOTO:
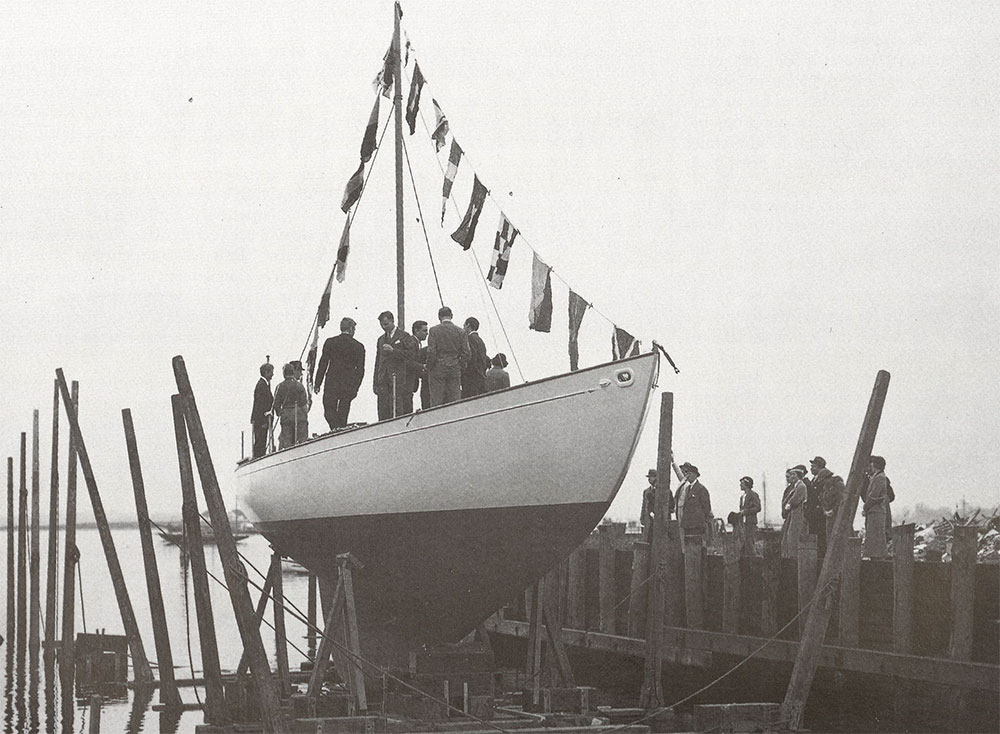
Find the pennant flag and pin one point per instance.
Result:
(440, 127)
(467, 229)
(501, 251)
(323, 314)
(382, 83)
(311, 360)
(623, 345)
(413, 103)
(577, 308)
(406, 57)
(540, 317)
(368, 144)
(340, 267)
(454, 158)
(352, 192)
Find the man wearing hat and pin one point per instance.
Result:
(829, 488)
(694, 507)
(749, 507)
(648, 504)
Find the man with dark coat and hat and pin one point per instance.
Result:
(260, 414)
(694, 507)
(648, 504)
(341, 367)
(829, 488)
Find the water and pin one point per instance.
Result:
(32, 704)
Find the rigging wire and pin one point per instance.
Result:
(423, 224)
(83, 608)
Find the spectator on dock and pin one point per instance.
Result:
(749, 507)
(447, 355)
(395, 354)
(793, 511)
(496, 376)
(830, 489)
(342, 368)
(419, 331)
(815, 522)
(876, 500)
(694, 507)
(648, 497)
(291, 405)
(260, 414)
(474, 372)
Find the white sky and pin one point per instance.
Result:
(789, 196)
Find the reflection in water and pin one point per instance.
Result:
(170, 719)
(33, 722)
(140, 702)
(67, 707)
(8, 691)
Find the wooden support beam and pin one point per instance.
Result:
(169, 696)
(533, 664)
(673, 576)
(557, 650)
(606, 579)
(11, 558)
(215, 698)
(22, 558)
(576, 589)
(280, 639)
(51, 583)
(348, 564)
(694, 591)
(770, 580)
(273, 717)
(731, 551)
(265, 594)
(140, 663)
(805, 567)
(67, 657)
(326, 642)
(850, 593)
(963, 590)
(638, 590)
(793, 706)
(902, 588)
(34, 560)
(651, 693)
(311, 617)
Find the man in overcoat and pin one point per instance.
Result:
(694, 507)
(260, 414)
(474, 373)
(341, 367)
(749, 507)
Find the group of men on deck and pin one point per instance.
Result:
(454, 364)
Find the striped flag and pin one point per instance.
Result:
(506, 233)
(413, 103)
(352, 192)
(454, 158)
(440, 127)
(368, 143)
(623, 345)
(467, 229)
(382, 83)
(340, 267)
(540, 317)
(577, 308)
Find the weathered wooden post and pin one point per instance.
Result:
(606, 578)
(22, 557)
(770, 584)
(651, 694)
(215, 700)
(793, 707)
(273, 718)
(805, 568)
(140, 663)
(11, 558)
(34, 562)
(850, 593)
(694, 590)
(576, 590)
(70, 555)
(902, 588)
(169, 696)
(963, 590)
(311, 616)
(95, 714)
(731, 551)
(533, 662)
(50, 579)
(280, 641)
(638, 590)
(265, 595)
(673, 577)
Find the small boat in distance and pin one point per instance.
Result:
(173, 531)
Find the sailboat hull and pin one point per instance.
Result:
(456, 509)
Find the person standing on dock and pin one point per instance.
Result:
(419, 331)
(395, 354)
(694, 506)
(876, 499)
(496, 376)
(342, 367)
(474, 373)
(291, 405)
(260, 414)
(447, 354)
(830, 489)
(749, 507)
(648, 497)
(793, 505)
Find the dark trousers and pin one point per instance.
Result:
(403, 401)
(335, 410)
(445, 384)
(259, 439)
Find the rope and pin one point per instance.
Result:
(83, 608)
(423, 224)
(187, 624)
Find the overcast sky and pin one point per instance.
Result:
(788, 196)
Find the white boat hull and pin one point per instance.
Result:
(454, 510)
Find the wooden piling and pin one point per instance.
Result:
(140, 664)
(273, 718)
(67, 647)
(51, 582)
(694, 591)
(638, 590)
(850, 594)
(11, 558)
(34, 560)
(731, 551)
(311, 616)
(169, 695)
(22, 557)
(215, 700)
(651, 693)
(280, 641)
(902, 588)
(265, 594)
(963, 590)
(606, 578)
(533, 661)
(94, 726)
(805, 568)
(673, 576)
(770, 584)
(793, 706)
(576, 590)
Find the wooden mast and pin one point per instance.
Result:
(397, 103)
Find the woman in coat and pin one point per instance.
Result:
(875, 508)
(794, 509)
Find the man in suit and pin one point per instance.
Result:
(395, 355)
(419, 331)
(342, 366)
(694, 507)
(474, 373)
(260, 414)
(447, 354)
